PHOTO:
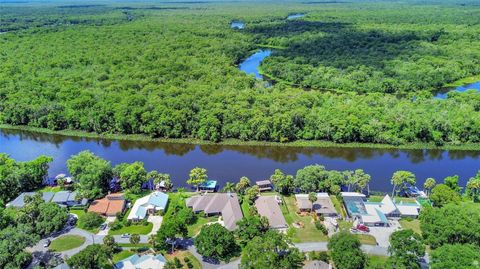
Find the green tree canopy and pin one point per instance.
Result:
(442, 195)
(283, 183)
(345, 251)
(215, 241)
(197, 176)
(451, 224)
(465, 256)
(132, 177)
(401, 179)
(452, 183)
(242, 185)
(406, 248)
(429, 184)
(91, 173)
(272, 250)
(92, 257)
(250, 227)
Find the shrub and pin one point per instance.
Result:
(116, 225)
(320, 256)
(90, 220)
(128, 223)
(186, 259)
(321, 218)
(189, 265)
(321, 227)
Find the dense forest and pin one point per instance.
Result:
(169, 70)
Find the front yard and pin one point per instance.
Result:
(307, 233)
(66, 242)
(364, 238)
(133, 229)
(195, 228)
(413, 224)
(184, 257)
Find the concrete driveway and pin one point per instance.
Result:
(382, 234)
(157, 222)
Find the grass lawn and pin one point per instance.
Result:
(338, 206)
(411, 224)
(245, 209)
(66, 242)
(376, 262)
(181, 255)
(194, 229)
(133, 229)
(309, 232)
(122, 255)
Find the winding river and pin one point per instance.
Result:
(229, 163)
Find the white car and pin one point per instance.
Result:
(47, 243)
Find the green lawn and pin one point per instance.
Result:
(411, 224)
(181, 255)
(133, 229)
(122, 255)
(376, 262)
(194, 229)
(66, 242)
(245, 209)
(129, 245)
(338, 206)
(309, 232)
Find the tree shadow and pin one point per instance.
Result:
(339, 45)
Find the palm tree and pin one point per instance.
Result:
(400, 179)
(473, 186)
(152, 241)
(429, 184)
(312, 197)
(229, 187)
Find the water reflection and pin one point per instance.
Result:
(230, 162)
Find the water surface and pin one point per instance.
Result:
(229, 163)
(237, 25)
(295, 16)
(252, 63)
(472, 86)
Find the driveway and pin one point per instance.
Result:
(322, 246)
(107, 221)
(382, 234)
(157, 222)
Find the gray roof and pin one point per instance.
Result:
(263, 182)
(61, 197)
(323, 205)
(20, 200)
(267, 206)
(225, 204)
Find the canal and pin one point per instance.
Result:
(229, 163)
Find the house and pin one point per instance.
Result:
(142, 262)
(377, 213)
(267, 206)
(109, 206)
(19, 202)
(149, 204)
(323, 205)
(68, 198)
(208, 186)
(224, 204)
(264, 185)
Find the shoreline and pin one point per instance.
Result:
(237, 142)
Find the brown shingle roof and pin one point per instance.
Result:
(267, 206)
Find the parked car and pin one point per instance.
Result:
(125, 235)
(47, 243)
(363, 228)
(353, 230)
(103, 226)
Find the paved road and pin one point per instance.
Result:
(322, 246)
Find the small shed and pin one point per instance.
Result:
(264, 185)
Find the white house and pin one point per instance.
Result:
(149, 204)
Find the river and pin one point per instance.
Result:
(472, 86)
(229, 163)
(252, 63)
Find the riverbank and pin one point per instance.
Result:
(463, 82)
(237, 142)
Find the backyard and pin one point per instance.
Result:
(413, 224)
(66, 242)
(308, 233)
